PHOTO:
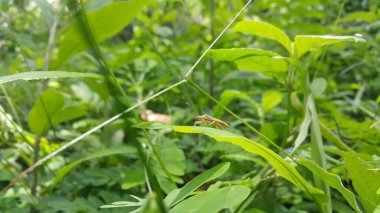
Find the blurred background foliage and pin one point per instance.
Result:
(154, 51)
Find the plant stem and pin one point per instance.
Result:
(33, 186)
(211, 61)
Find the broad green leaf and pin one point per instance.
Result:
(103, 153)
(234, 54)
(213, 201)
(173, 158)
(362, 16)
(265, 30)
(306, 43)
(283, 168)
(104, 23)
(263, 64)
(49, 110)
(318, 86)
(36, 75)
(377, 210)
(179, 194)
(332, 180)
(364, 179)
(271, 99)
(255, 60)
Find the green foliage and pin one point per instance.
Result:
(283, 168)
(296, 82)
(179, 194)
(214, 200)
(365, 179)
(265, 30)
(332, 180)
(103, 23)
(50, 110)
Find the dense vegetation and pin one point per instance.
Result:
(99, 97)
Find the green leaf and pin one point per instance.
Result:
(332, 180)
(103, 153)
(36, 75)
(362, 16)
(364, 179)
(213, 201)
(173, 158)
(304, 128)
(133, 177)
(333, 138)
(283, 168)
(306, 43)
(318, 86)
(263, 64)
(265, 30)
(104, 23)
(179, 194)
(234, 54)
(255, 60)
(49, 110)
(271, 99)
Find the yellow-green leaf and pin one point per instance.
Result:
(271, 99)
(364, 179)
(179, 194)
(283, 168)
(306, 43)
(213, 201)
(265, 30)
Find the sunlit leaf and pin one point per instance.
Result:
(179, 194)
(271, 99)
(213, 201)
(306, 43)
(255, 60)
(37, 75)
(265, 30)
(263, 64)
(283, 168)
(332, 180)
(365, 181)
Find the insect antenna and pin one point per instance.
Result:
(191, 109)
